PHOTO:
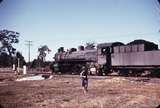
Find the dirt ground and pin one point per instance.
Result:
(64, 91)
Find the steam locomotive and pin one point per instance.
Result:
(139, 57)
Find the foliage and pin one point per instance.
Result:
(7, 39)
(5, 60)
(21, 59)
(1, 1)
(40, 61)
(43, 52)
(7, 51)
(37, 63)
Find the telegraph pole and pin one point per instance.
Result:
(28, 43)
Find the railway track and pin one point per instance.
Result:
(134, 79)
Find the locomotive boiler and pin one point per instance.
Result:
(135, 58)
(72, 60)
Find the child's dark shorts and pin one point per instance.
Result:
(84, 82)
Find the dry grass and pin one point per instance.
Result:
(60, 92)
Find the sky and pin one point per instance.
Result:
(70, 23)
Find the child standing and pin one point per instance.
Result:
(84, 79)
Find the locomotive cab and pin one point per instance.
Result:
(104, 55)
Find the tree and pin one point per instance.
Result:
(1, 1)
(90, 45)
(7, 39)
(7, 51)
(5, 60)
(21, 58)
(43, 52)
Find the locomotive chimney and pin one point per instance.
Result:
(61, 49)
(81, 48)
